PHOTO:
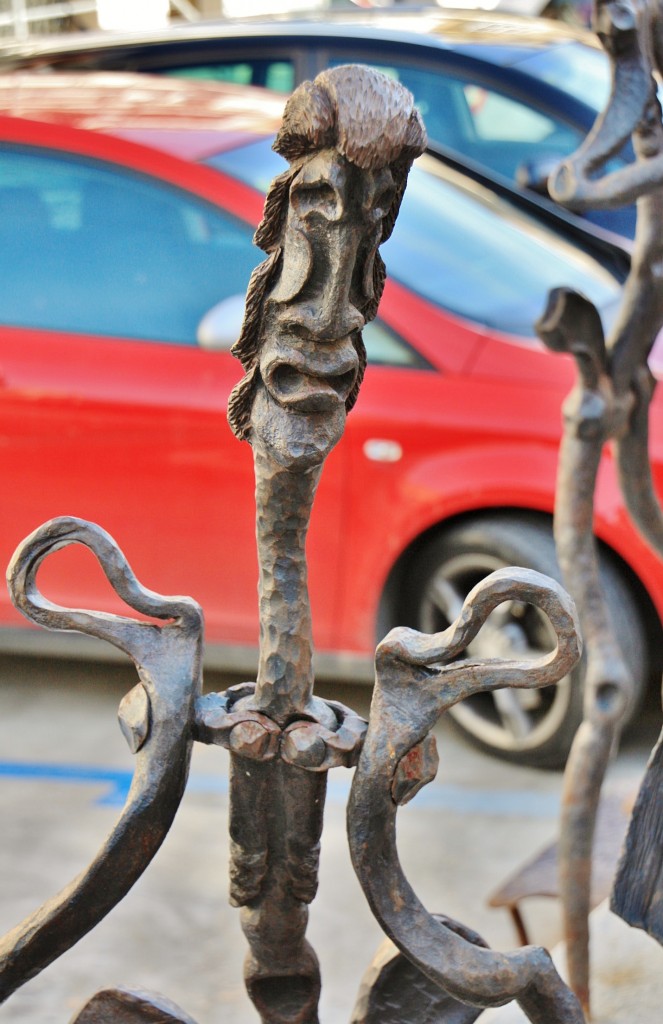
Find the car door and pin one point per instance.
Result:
(109, 408)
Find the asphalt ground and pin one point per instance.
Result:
(64, 773)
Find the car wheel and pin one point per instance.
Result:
(533, 727)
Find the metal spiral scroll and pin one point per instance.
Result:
(418, 677)
(156, 717)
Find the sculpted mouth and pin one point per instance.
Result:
(311, 385)
(307, 392)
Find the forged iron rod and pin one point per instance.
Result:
(350, 138)
(572, 324)
(609, 403)
(417, 678)
(156, 717)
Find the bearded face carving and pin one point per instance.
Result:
(350, 138)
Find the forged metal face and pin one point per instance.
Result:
(311, 356)
(350, 138)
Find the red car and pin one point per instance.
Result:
(127, 205)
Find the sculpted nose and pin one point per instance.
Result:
(336, 317)
(326, 320)
(329, 312)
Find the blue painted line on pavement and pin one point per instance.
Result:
(118, 781)
(521, 803)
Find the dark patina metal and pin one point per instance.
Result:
(610, 403)
(157, 717)
(349, 138)
(417, 678)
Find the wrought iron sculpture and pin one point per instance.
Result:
(349, 137)
(610, 403)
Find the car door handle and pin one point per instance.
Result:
(381, 449)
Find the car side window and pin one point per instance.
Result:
(386, 348)
(495, 116)
(278, 75)
(89, 248)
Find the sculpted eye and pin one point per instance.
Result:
(311, 198)
(383, 201)
(362, 277)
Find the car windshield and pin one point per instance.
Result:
(576, 69)
(465, 250)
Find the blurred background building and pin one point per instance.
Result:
(22, 18)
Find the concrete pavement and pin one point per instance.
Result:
(626, 980)
(64, 769)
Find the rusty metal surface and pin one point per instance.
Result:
(417, 678)
(592, 414)
(157, 717)
(130, 1006)
(609, 404)
(349, 138)
(637, 894)
(394, 990)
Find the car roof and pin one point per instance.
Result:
(506, 37)
(190, 119)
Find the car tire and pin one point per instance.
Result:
(532, 727)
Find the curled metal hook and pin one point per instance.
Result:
(128, 634)
(631, 111)
(417, 678)
(156, 717)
